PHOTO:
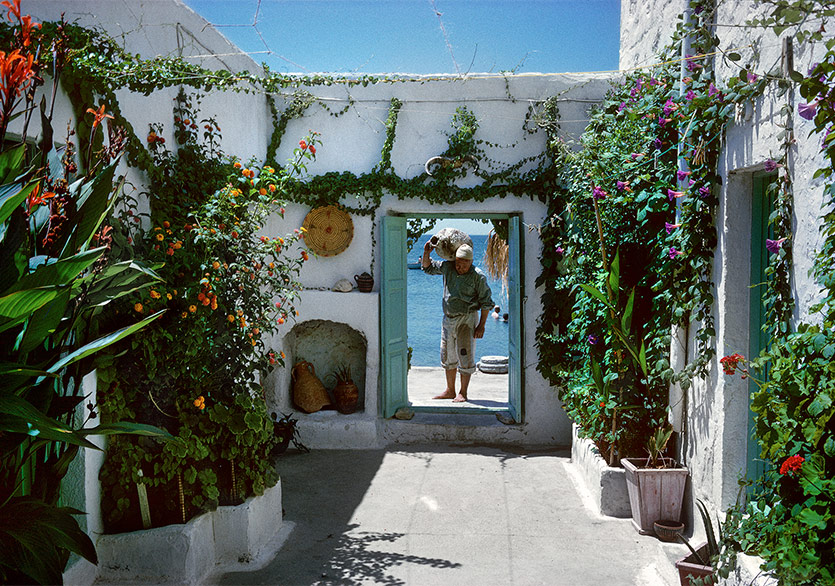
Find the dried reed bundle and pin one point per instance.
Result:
(495, 258)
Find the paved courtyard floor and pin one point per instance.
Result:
(450, 515)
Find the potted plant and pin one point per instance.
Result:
(286, 430)
(345, 392)
(699, 567)
(655, 484)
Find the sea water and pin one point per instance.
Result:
(425, 312)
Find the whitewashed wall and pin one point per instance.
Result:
(353, 142)
(717, 419)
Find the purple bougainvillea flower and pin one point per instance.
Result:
(752, 77)
(811, 70)
(711, 90)
(598, 193)
(593, 340)
(636, 156)
(670, 227)
(653, 81)
(662, 121)
(689, 95)
(682, 175)
(559, 250)
(770, 165)
(698, 9)
(807, 111)
(620, 185)
(704, 191)
(657, 143)
(674, 194)
(669, 106)
(622, 106)
(673, 252)
(773, 246)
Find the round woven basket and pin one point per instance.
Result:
(328, 230)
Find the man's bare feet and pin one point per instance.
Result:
(459, 398)
(447, 394)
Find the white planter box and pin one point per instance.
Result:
(188, 554)
(607, 484)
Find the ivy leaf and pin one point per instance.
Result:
(796, 76)
(734, 56)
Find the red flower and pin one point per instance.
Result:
(312, 149)
(731, 363)
(792, 464)
(302, 145)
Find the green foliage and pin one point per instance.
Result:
(58, 277)
(790, 519)
(227, 286)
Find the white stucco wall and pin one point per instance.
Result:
(717, 420)
(353, 142)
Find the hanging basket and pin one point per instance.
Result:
(328, 230)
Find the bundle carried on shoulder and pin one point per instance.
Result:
(447, 241)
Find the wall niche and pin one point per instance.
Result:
(327, 345)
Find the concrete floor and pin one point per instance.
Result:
(450, 515)
(485, 390)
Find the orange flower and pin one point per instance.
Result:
(230, 318)
(177, 245)
(192, 308)
(262, 191)
(283, 356)
(160, 236)
(200, 402)
(234, 233)
(271, 187)
(138, 307)
(99, 115)
(206, 301)
(215, 265)
(155, 295)
(237, 165)
(184, 315)
(166, 224)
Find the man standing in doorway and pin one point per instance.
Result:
(467, 303)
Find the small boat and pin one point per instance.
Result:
(413, 265)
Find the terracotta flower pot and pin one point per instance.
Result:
(346, 395)
(690, 566)
(654, 493)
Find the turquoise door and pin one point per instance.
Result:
(393, 339)
(762, 205)
(514, 343)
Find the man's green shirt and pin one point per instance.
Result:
(462, 293)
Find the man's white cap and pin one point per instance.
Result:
(464, 251)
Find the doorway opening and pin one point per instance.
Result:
(488, 384)
(412, 314)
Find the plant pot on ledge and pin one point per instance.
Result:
(654, 493)
(691, 567)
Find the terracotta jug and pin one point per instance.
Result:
(309, 393)
(346, 395)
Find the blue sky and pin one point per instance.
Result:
(406, 36)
